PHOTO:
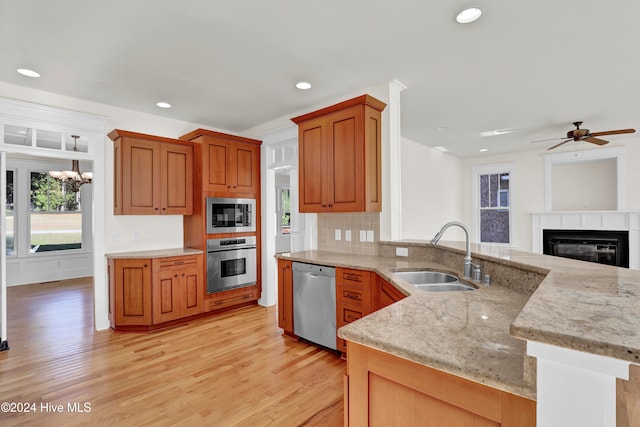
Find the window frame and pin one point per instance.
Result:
(22, 213)
(489, 169)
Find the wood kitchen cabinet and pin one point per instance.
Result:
(353, 299)
(382, 389)
(152, 175)
(228, 164)
(178, 288)
(151, 292)
(285, 296)
(339, 149)
(385, 293)
(129, 292)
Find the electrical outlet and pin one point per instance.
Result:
(347, 235)
(338, 234)
(402, 251)
(369, 235)
(363, 236)
(136, 235)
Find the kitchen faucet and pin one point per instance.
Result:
(468, 266)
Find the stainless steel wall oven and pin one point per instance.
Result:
(231, 263)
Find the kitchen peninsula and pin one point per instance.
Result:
(589, 309)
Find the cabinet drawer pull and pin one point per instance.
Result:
(350, 316)
(352, 295)
(353, 277)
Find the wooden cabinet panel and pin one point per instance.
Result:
(178, 288)
(387, 390)
(353, 298)
(285, 296)
(130, 293)
(176, 179)
(340, 157)
(152, 175)
(385, 294)
(229, 165)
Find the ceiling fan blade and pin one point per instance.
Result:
(612, 132)
(545, 140)
(596, 141)
(558, 145)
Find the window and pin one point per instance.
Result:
(283, 214)
(493, 206)
(9, 214)
(54, 214)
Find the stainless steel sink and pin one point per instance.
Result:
(444, 287)
(426, 277)
(433, 281)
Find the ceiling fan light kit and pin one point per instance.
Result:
(578, 134)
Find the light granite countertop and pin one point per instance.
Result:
(155, 253)
(479, 335)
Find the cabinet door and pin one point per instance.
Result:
(216, 156)
(140, 177)
(166, 284)
(190, 292)
(285, 296)
(244, 168)
(132, 292)
(385, 294)
(313, 166)
(345, 165)
(176, 177)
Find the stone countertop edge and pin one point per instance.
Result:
(154, 253)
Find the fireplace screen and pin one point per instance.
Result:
(604, 247)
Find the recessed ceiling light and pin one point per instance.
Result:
(482, 150)
(496, 132)
(163, 104)
(27, 72)
(303, 85)
(442, 128)
(468, 15)
(441, 148)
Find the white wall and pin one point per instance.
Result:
(431, 182)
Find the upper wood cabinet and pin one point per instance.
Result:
(227, 164)
(152, 175)
(339, 149)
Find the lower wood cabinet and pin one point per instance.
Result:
(285, 296)
(353, 299)
(177, 288)
(383, 390)
(149, 293)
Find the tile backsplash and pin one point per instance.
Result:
(367, 224)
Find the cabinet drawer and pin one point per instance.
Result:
(349, 315)
(177, 261)
(356, 278)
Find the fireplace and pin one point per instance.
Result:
(601, 246)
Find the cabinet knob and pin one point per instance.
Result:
(324, 206)
(330, 205)
(164, 209)
(175, 275)
(156, 209)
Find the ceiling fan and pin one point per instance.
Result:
(578, 134)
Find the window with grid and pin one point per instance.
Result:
(494, 208)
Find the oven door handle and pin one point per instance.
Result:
(213, 251)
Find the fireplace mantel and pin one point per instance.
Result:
(589, 220)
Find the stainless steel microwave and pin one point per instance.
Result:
(230, 215)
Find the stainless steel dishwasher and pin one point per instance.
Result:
(314, 303)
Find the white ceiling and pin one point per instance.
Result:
(533, 66)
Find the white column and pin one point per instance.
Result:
(575, 388)
(391, 217)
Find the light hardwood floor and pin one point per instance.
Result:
(231, 369)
